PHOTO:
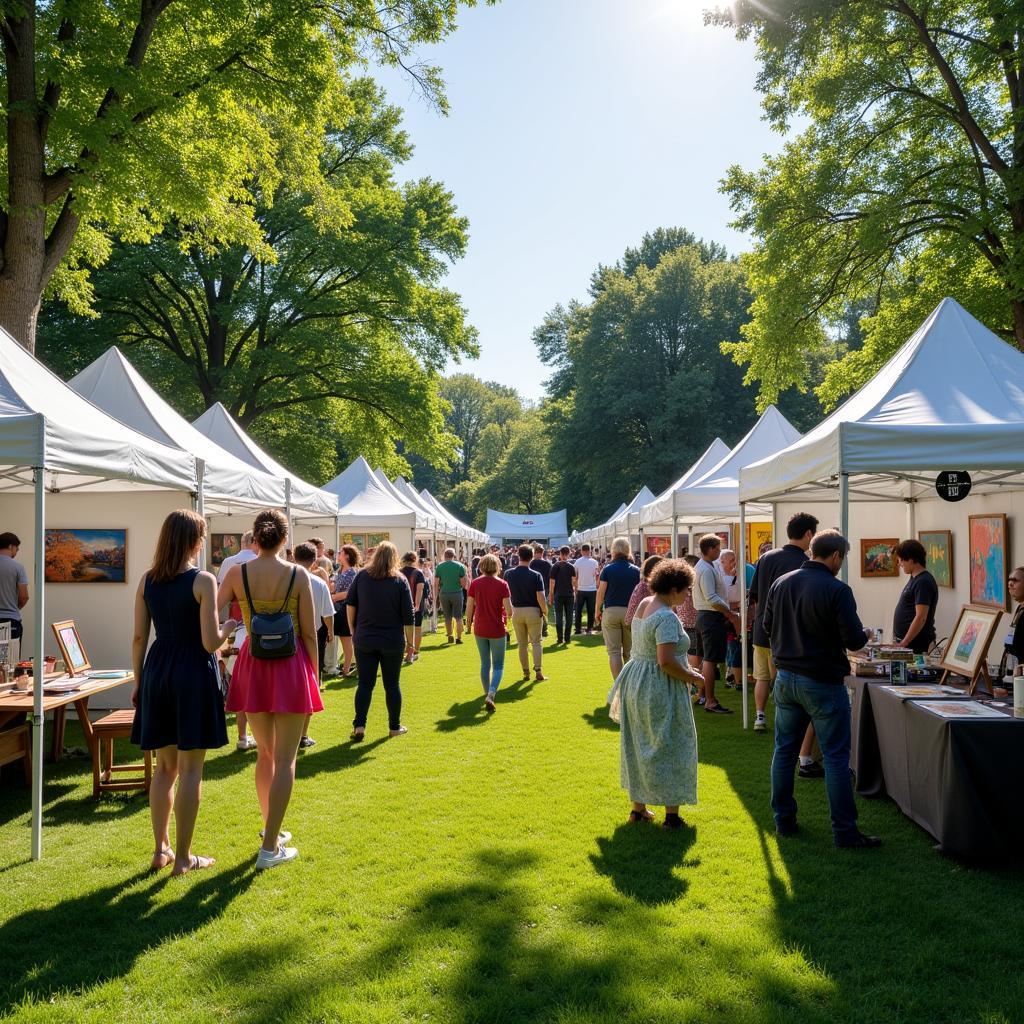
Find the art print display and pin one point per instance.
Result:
(878, 558)
(938, 550)
(86, 556)
(71, 647)
(969, 641)
(987, 556)
(224, 545)
(959, 709)
(658, 546)
(757, 534)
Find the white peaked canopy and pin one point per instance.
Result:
(951, 398)
(441, 526)
(365, 505)
(467, 532)
(112, 383)
(629, 519)
(221, 428)
(660, 509)
(716, 495)
(605, 528)
(549, 525)
(424, 520)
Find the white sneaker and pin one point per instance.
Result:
(284, 836)
(281, 855)
(246, 743)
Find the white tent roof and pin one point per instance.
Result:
(112, 383)
(716, 495)
(44, 422)
(606, 527)
(464, 531)
(951, 398)
(660, 509)
(424, 520)
(508, 524)
(220, 426)
(365, 504)
(629, 518)
(407, 490)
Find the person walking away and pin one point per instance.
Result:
(811, 617)
(651, 701)
(179, 710)
(617, 582)
(449, 588)
(379, 613)
(323, 614)
(713, 618)
(586, 589)
(488, 612)
(276, 693)
(417, 587)
(13, 584)
(351, 560)
(772, 565)
(913, 622)
(543, 566)
(562, 594)
(528, 610)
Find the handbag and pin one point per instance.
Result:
(271, 635)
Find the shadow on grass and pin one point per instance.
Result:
(94, 938)
(598, 719)
(342, 755)
(641, 861)
(472, 712)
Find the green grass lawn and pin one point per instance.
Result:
(479, 869)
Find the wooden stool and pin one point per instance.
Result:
(15, 745)
(115, 726)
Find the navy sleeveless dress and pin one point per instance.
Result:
(180, 703)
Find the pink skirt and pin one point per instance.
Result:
(285, 686)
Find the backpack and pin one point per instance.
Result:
(271, 635)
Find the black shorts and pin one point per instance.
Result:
(417, 619)
(696, 647)
(341, 622)
(714, 630)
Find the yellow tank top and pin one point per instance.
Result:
(271, 607)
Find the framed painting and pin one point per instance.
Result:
(970, 640)
(71, 647)
(86, 556)
(657, 545)
(987, 558)
(878, 557)
(938, 550)
(224, 545)
(758, 534)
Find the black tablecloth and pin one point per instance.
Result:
(962, 781)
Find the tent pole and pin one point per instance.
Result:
(844, 521)
(288, 511)
(911, 518)
(201, 505)
(742, 567)
(39, 579)
(675, 537)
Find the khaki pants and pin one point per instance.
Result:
(527, 625)
(617, 635)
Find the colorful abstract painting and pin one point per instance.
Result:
(878, 557)
(988, 559)
(938, 549)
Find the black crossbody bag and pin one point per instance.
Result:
(271, 635)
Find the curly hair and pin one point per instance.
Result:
(671, 574)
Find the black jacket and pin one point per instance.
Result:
(770, 567)
(811, 617)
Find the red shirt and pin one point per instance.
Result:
(490, 594)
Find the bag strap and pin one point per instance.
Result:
(245, 587)
(288, 593)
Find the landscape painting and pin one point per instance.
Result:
(86, 556)
(224, 545)
(878, 557)
(988, 559)
(938, 549)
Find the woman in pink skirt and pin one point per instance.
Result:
(276, 694)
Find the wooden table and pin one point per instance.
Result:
(15, 706)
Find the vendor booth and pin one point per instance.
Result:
(468, 534)
(627, 523)
(549, 528)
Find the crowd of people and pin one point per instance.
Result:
(260, 638)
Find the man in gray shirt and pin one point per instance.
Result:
(13, 584)
(713, 613)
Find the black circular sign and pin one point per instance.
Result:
(953, 484)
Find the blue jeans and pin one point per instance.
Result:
(799, 700)
(492, 661)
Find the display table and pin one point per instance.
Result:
(959, 780)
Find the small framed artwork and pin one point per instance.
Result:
(878, 558)
(86, 556)
(987, 557)
(71, 647)
(224, 545)
(758, 534)
(938, 550)
(969, 642)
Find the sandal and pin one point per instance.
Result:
(166, 856)
(357, 734)
(672, 822)
(195, 863)
(640, 817)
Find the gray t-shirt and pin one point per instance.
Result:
(11, 574)
(708, 589)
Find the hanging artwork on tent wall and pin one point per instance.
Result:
(224, 545)
(988, 558)
(878, 558)
(86, 556)
(938, 551)
(757, 534)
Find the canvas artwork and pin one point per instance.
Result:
(959, 709)
(224, 545)
(938, 549)
(373, 539)
(86, 556)
(988, 559)
(723, 535)
(757, 534)
(71, 647)
(970, 639)
(658, 546)
(878, 557)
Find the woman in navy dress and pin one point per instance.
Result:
(179, 708)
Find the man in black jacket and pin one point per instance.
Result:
(811, 618)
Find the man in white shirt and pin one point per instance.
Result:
(323, 612)
(586, 589)
(250, 549)
(713, 616)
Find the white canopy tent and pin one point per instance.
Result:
(627, 524)
(597, 533)
(365, 505)
(549, 526)
(442, 528)
(424, 520)
(952, 397)
(52, 440)
(466, 532)
(222, 428)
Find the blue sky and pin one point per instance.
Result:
(575, 127)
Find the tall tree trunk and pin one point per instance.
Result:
(23, 250)
(1017, 305)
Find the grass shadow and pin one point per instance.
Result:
(642, 861)
(342, 755)
(598, 719)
